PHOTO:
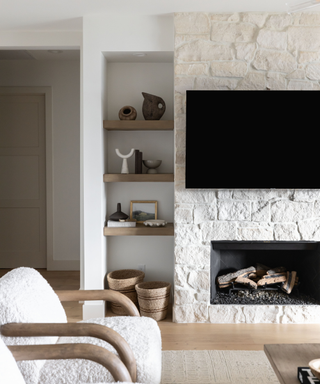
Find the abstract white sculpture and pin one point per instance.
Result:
(124, 168)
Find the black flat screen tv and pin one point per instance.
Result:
(252, 140)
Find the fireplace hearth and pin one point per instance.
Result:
(263, 297)
(298, 262)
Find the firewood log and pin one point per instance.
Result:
(246, 281)
(228, 278)
(224, 285)
(272, 279)
(261, 269)
(276, 270)
(288, 285)
(254, 277)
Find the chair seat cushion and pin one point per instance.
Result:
(141, 333)
(9, 371)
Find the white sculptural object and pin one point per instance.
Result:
(124, 168)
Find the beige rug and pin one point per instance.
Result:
(219, 367)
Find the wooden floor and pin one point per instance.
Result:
(200, 336)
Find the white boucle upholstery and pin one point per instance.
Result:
(9, 371)
(141, 333)
(26, 297)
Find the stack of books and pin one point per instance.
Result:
(305, 376)
(137, 161)
(126, 223)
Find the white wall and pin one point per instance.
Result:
(202, 216)
(102, 33)
(64, 79)
(127, 80)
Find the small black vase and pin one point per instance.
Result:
(117, 216)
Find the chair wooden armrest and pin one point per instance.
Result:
(76, 329)
(73, 351)
(103, 294)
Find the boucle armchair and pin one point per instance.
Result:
(10, 373)
(27, 299)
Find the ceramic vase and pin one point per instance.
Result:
(153, 107)
(127, 113)
(118, 215)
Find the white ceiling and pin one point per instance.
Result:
(67, 14)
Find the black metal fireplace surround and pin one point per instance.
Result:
(300, 256)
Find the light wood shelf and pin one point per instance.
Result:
(143, 177)
(138, 125)
(140, 230)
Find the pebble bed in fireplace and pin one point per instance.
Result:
(257, 297)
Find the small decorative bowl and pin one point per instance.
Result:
(315, 367)
(155, 223)
(152, 165)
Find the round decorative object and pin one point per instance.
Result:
(152, 165)
(153, 107)
(315, 367)
(127, 113)
(155, 223)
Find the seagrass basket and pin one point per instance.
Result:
(124, 281)
(153, 298)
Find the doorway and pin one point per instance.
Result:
(56, 76)
(23, 197)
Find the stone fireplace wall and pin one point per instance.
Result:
(240, 51)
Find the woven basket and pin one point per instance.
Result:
(153, 298)
(124, 281)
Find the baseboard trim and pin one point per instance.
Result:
(92, 310)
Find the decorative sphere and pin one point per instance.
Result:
(127, 113)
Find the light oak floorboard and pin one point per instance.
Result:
(199, 336)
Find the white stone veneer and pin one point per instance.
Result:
(239, 51)
(250, 314)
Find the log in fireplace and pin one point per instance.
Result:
(293, 268)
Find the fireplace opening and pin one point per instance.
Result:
(270, 273)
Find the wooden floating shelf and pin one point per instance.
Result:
(138, 125)
(132, 177)
(140, 230)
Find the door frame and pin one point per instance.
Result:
(47, 93)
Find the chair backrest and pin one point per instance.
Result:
(9, 371)
(26, 297)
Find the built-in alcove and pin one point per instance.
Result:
(302, 257)
(126, 76)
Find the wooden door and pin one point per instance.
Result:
(22, 181)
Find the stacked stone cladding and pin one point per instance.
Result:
(239, 51)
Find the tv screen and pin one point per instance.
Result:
(252, 140)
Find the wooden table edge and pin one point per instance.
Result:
(274, 367)
(303, 354)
